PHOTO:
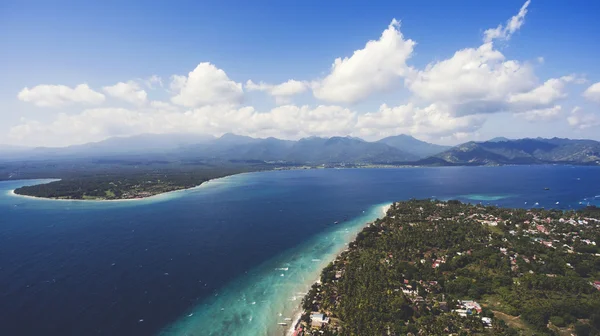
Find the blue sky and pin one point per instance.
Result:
(49, 48)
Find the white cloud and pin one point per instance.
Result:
(91, 125)
(545, 114)
(371, 69)
(593, 93)
(450, 98)
(161, 105)
(153, 81)
(433, 120)
(481, 80)
(512, 25)
(60, 95)
(545, 94)
(281, 92)
(205, 85)
(288, 122)
(129, 92)
(473, 80)
(581, 120)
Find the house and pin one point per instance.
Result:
(470, 306)
(596, 285)
(318, 319)
(487, 322)
(409, 292)
(461, 312)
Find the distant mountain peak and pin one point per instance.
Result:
(230, 135)
(524, 151)
(499, 139)
(413, 146)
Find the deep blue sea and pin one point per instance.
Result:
(232, 257)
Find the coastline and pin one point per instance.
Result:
(298, 315)
(12, 193)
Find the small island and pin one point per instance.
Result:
(440, 268)
(122, 186)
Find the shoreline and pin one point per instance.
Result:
(296, 321)
(12, 193)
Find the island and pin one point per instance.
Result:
(120, 185)
(448, 268)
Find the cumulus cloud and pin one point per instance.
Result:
(472, 80)
(371, 69)
(512, 25)
(205, 85)
(60, 95)
(153, 81)
(161, 105)
(450, 98)
(433, 120)
(580, 120)
(129, 92)
(545, 114)
(288, 121)
(545, 94)
(593, 93)
(281, 92)
(480, 81)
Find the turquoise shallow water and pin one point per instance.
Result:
(479, 197)
(210, 260)
(272, 292)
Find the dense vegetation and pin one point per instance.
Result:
(124, 186)
(532, 272)
(116, 179)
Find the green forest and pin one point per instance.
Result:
(440, 268)
(126, 185)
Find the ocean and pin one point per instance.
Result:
(232, 257)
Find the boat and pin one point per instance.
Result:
(336, 222)
(282, 324)
(557, 203)
(546, 188)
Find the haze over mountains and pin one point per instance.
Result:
(521, 151)
(236, 147)
(400, 149)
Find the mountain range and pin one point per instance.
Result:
(520, 151)
(400, 149)
(230, 146)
